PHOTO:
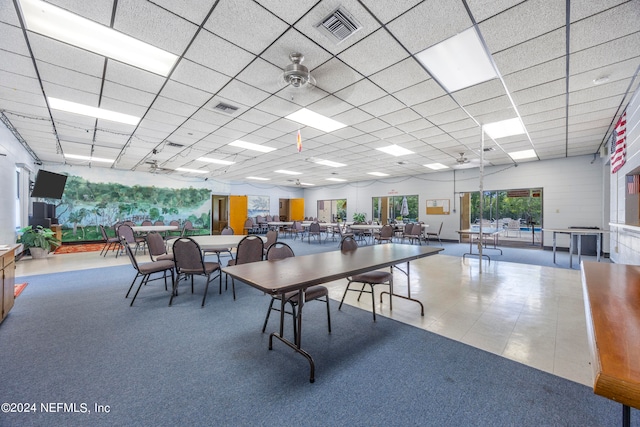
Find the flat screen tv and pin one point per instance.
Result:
(49, 185)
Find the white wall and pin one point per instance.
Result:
(15, 154)
(572, 192)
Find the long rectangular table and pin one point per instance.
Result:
(494, 233)
(576, 232)
(612, 308)
(298, 273)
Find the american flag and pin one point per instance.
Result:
(633, 184)
(618, 144)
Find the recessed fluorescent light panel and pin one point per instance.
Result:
(306, 183)
(378, 173)
(288, 172)
(91, 159)
(216, 161)
(330, 163)
(395, 150)
(257, 178)
(336, 179)
(191, 170)
(251, 146)
(436, 166)
(51, 21)
(524, 154)
(458, 62)
(86, 110)
(315, 120)
(504, 128)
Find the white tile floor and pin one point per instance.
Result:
(531, 314)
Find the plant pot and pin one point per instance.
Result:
(37, 253)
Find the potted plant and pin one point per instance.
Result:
(359, 217)
(39, 240)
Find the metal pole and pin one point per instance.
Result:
(481, 197)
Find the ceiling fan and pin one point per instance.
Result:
(462, 159)
(296, 75)
(154, 168)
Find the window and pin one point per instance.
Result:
(399, 208)
(332, 210)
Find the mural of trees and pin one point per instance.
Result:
(85, 205)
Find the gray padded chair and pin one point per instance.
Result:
(370, 278)
(146, 269)
(189, 262)
(157, 247)
(281, 250)
(250, 249)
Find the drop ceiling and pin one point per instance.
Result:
(547, 54)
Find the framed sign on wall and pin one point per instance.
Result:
(438, 207)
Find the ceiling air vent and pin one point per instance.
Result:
(225, 108)
(339, 25)
(174, 144)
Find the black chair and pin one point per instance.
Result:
(385, 235)
(189, 262)
(314, 231)
(281, 250)
(370, 278)
(250, 249)
(109, 242)
(429, 234)
(272, 237)
(145, 270)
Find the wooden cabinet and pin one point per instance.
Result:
(8, 280)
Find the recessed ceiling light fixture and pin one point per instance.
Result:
(436, 166)
(504, 128)
(251, 146)
(600, 80)
(90, 158)
(286, 172)
(524, 154)
(86, 110)
(191, 170)
(395, 150)
(458, 62)
(329, 163)
(306, 183)
(336, 179)
(216, 161)
(258, 178)
(51, 21)
(315, 120)
(378, 173)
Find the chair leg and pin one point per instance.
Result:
(266, 319)
(144, 281)
(131, 287)
(206, 288)
(373, 302)
(328, 314)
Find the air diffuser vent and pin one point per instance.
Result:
(225, 108)
(174, 144)
(339, 25)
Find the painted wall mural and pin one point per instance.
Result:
(87, 204)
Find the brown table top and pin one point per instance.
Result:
(612, 306)
(289, 274)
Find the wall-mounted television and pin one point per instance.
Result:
(49, 185)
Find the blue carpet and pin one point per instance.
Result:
(72, 338)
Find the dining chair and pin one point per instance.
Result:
(370, 278)
(314, 231)
(157, 247)
(429, 234)
(272, 237)
(109, 242)
(190, 262)
(250, 249)
(146, 269)
(385, 235)
(281, 250)
(125, 230)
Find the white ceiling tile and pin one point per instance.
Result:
(133, 77)
(545, 48)
(482, 9)
(192, 10)
(197, 76)
(374, 53)
(216, 53)
(626, 18)
(420, 93)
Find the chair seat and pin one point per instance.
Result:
(154, 267)
(165, 257)
(375, 277)
(209, 267)
(313, 292)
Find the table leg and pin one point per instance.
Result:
(408, 297)
(570, 250)
(579, 247)
(554, 247)
(626, 416)
(598, 239)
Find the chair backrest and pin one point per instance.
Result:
(187, 254)
(248, 223)
(348, 243)
(250, 249)
(314, 227)
(279, 250)
(188, 225)
(440, 229)
(130, 254)
(227, 231)
(386, 231)
(175, 223)
(103, 232)
(268, 218)
(408, 228)
(155, 243)
(272, 237)
(146, 222)
(417, 229)
(158, 223)
(126, 231)
(298, 226)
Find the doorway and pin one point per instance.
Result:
(220, 213)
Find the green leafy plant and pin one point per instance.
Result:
(38, 237)
(359, 217)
